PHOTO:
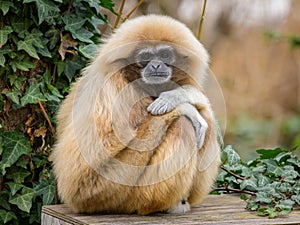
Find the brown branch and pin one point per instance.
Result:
(227, 189)
(119, 14)
(46, 116)
(233, 174)
(132, 11)
(201, 20)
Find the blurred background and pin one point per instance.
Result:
(255, 57)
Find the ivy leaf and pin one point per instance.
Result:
(21, 25)
(72, 67)
(23, 200)
(73, 23)
(83, 35)
(14, 187)
(47, 190)
(2, 60)
(32, 94)
(47, 10)
(27, 46)
(262, 180)
(14, 145)
(14, 96)
(96, 22)
(269, 153)
(232, 155)
(88, 51)
(249, 185)
(7, 216)
(5, 5)
(272, 167)
(4, 32)
(23, 65)
(18, 175)
(285, 206)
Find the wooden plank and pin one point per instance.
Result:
(216, 209)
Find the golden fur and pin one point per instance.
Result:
(99, 171)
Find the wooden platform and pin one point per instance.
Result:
(216, 209)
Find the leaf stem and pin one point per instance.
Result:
(201, 20)
(233, 174)
(46, 116)
(234, 190)
(119, 14)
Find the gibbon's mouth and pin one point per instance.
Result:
(157, 74)
(156, 78)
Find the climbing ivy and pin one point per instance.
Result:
(43, 46)
(270, 183)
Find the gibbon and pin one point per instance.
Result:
(137, 134)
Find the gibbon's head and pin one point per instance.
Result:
(155, 48)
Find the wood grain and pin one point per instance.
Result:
(216, 209)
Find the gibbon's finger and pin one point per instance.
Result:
(160, 106)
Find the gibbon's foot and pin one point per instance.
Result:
(181, 207)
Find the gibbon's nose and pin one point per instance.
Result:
(155, 65)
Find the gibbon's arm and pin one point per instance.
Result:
(168, 100)
(185, 99)
(198, 122)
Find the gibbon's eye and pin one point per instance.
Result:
(165, 54)
(144, 58)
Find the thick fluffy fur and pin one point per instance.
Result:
(95, 168)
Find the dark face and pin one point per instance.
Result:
(155, 63)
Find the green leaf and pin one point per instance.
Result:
(108, 4)
(232, 155)
(31, 95)
(73, 23)
(18, 175)
(262, 180)
(23, 65)
(296, 198)
(2, 60)
(14, 145)
(5, 5)
(24, 200)
(14, 187)
(4, 32)
(263, 197)
(46, 190)
(267, 212)
(83, 35)
(7, 216)
(269, 153)
(272, 167)
(47, 10)
(14, 96)
(285, 206)
(88, 51)
(249, 185)
(21, 25)
(27, 46)
(294, 161)
(72, 67)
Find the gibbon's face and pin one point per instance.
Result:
(155, 63)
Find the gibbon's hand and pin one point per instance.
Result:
(164, 105)
(167, 101)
